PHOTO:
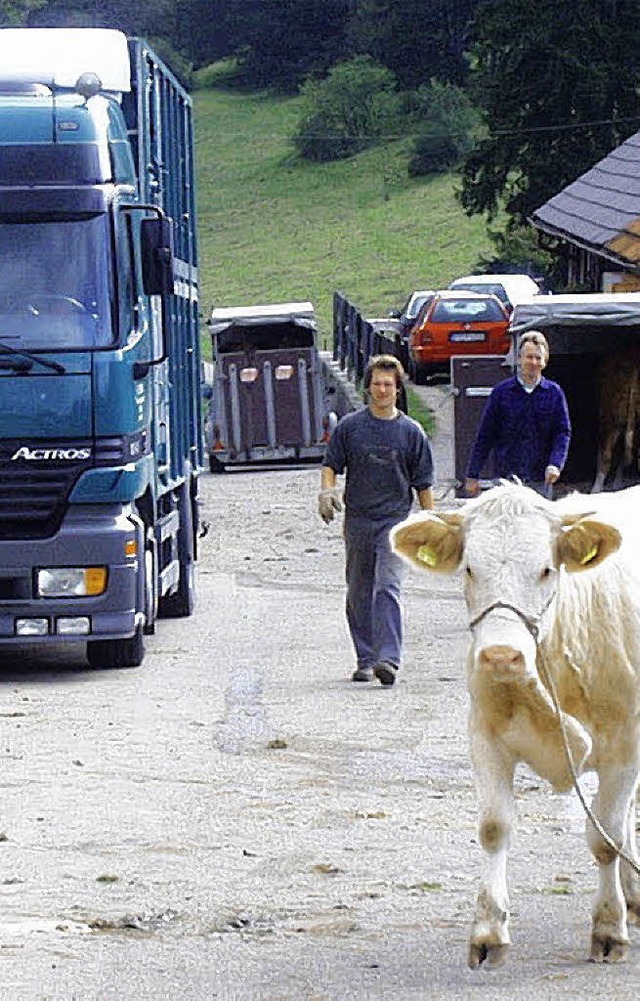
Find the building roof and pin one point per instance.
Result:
(579, 309)
(600, 211)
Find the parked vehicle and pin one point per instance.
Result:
(510, 289)
(100, 427)
(406, 317)
(586, 331)
(269, 402)
(456, 323)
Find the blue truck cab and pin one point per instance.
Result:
(100, 424)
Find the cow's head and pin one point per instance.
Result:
(511, 545)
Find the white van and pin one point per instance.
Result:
(510, 289)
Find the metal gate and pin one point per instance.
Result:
(272, 406)
(472, 379)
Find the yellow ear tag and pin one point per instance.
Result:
(427, 555)
(593, 552)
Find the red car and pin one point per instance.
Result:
(456, 323)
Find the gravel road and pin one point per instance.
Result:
(237, 820)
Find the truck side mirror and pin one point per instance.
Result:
(156, 237)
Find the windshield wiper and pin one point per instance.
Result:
(22, 365)
(54, 365)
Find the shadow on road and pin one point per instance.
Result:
(37, 664)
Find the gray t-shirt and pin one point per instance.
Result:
(385, 461)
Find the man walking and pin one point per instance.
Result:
(525, 424)
(386, 456)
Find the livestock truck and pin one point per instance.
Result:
(100, 436)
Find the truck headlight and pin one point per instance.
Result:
(70, 582)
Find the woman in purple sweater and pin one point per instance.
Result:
(525, 424)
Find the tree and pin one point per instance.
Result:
(148, 18)
(557, 82)
(447, 128)
(15, 12)
(416, 39)
(284, 41)
(348, 111)
(204, 30)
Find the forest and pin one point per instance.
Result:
(520, 98)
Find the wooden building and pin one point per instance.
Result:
(595, 223)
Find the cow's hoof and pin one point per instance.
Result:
(633, 911)
(489, 956)
(606, 949)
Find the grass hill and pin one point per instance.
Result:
(273, 228)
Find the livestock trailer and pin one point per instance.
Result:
(594, 344)
(269, 400)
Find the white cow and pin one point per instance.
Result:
(553, 595)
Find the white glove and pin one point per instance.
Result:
(328, 503)
(551, 474)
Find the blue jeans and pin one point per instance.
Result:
(374, 580)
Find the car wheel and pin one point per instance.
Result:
(420, 373)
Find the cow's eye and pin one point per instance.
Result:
(546, 573)
(468, 573)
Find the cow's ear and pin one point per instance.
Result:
(585, 543)
(430, 541)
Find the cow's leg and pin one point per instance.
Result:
(628, 875)
(493, 768)
(609, 937)
(605, 456)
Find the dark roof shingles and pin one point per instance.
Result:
(597, 206)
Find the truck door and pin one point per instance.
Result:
(290, 403)
(242, 399)
(270, 399)
(472, 379)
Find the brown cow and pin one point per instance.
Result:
(618, 416)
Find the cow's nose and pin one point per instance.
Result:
(501, 658)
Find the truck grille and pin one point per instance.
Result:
(34, 492)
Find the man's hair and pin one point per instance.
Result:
(538, 339)
(387, 363)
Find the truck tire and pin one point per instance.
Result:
(150, 583)
(182, 602)
(116, 653)
(215, 465)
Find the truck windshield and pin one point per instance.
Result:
(55, 281)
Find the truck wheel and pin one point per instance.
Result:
(182, 602)
(116, 653)
(215, 465)
(150, 583)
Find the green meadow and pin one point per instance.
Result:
(273, 228)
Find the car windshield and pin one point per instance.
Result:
(486, 289)
(467, 311)
(55, 281)
(416, 304)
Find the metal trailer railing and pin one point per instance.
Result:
(355, 340)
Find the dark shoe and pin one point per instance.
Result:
(385, 673)
(362, 674)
